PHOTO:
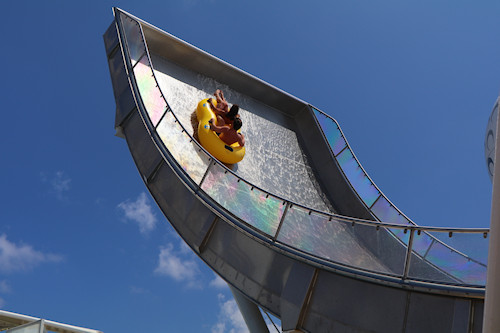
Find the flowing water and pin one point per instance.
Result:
(274, 160)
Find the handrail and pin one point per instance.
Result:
(364, 221)
(347, 146)
(288, 203)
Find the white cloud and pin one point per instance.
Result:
(271, 327)
(21, 257)
(184, 248)
(59, 183)
(138, 290)
(140, 212)
(230, 319)
(4, 287)
(218, 282)
(178, 266)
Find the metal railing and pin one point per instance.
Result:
(371, 196)
(395, 248)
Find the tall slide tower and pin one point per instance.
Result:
(297, 228)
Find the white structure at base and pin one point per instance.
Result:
(491, 319)
(489, 140)
(18, 323)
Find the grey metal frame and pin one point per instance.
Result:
(393, 281)
(412, 229)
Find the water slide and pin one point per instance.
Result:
(297, 228)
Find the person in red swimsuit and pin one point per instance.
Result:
(229, 133)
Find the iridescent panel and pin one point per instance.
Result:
(451, 266)
(328, 239)
(464, 266)
(150, 93)
(421, 242)
(133, 35)
(387, 213)
(249, 204)
(400, 233)
(472, 245)
(359, 181)
(332, 132)
(186, 152)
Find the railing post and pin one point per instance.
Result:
(287, 206)
(408, 255)
(206, 173)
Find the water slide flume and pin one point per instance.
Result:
(276, 227)
(229, 154)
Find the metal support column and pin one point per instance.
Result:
(491, 319)
(250, 312)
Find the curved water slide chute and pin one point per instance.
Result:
(297, 227)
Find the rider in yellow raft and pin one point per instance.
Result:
(228, 121)
(221, 137)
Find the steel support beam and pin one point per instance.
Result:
(250, 312)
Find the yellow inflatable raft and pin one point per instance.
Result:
(229, 154)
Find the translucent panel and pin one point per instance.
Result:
(461, 268)
(186, 152)
(357, 177)
(387, 213)
(252, 206)
(332, 132)
(387, 252)
(35, 327)
(150, 93)
(315, 234)
(403, 236)
(458, 266)
(135, 44)
(421, 243)
(472, 245)
(333, 240)
(451, 267)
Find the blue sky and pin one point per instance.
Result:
(411, 83)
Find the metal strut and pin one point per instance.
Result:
(250, 312)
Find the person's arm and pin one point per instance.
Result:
(215, 108)
(219, 129)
